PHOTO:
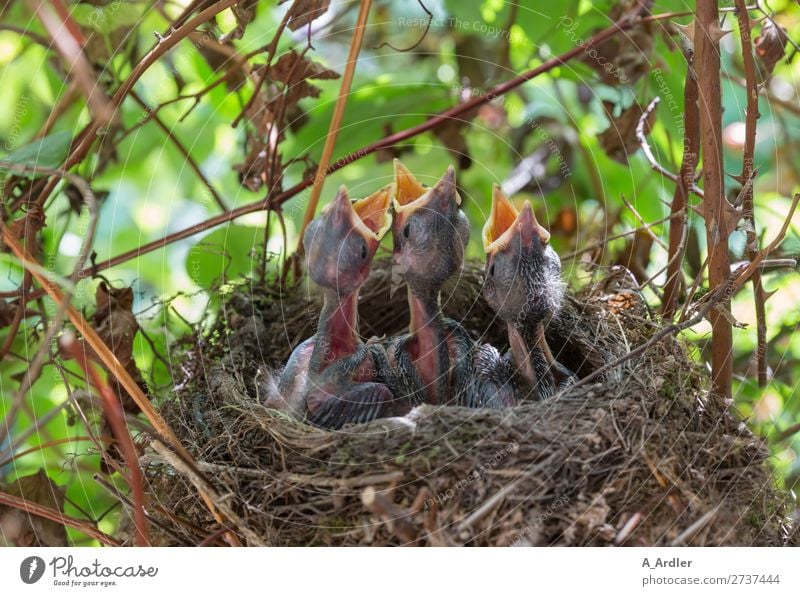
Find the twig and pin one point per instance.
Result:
(183, 151)
(605, 241)
(628, 528)
(642, 223)
(488, 505)
(788, 432)
(336, 119)
(112, 490)
(678, 228)
(695, 527)
(60, 518)
(645, 145)
(693, 290)
(293, 478)
(747, 178)
(424, 33)
(25, 32)
(40, 447)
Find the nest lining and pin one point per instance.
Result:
(641, 458)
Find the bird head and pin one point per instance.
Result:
(429, 229)
(342, 241)
(523, 273)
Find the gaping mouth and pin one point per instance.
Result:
(374, 219)
(370, 216)
(409, 194)
(505, 222)
(407, 188)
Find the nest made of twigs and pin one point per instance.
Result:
(642, 458)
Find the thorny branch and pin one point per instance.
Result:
(707, 65)
(746, 179)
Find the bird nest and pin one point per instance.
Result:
(641, 456)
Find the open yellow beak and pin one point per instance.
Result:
(505, 222)
(406, 188)
(374, 218)
(409, 194)
(369, 216)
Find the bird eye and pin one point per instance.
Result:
(407, 230)
(491, 270)
(364, 251)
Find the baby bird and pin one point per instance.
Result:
(332, 378)
(430, 234)
(437, 358)
(523, 286)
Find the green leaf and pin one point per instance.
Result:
(370, 110)
(48, 152)
(224, 255)
(105, 19)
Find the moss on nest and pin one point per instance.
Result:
(641, 458)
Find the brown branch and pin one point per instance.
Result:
(60, 518)
(678, 229)
(788, 432)
(707, 65)
(747, 179)
(69, 42)
(25, 32)
(183, 151)
(336, 119)
(86, 138)
(388, 141)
